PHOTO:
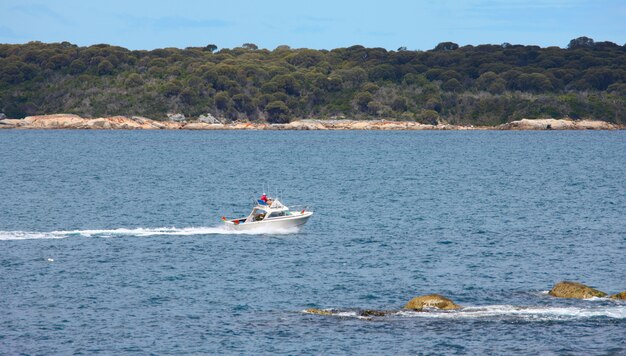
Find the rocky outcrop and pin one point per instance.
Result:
(319, 311)
(207, 122)
(620, 295)
(553, 124)
(365, 125)
(575, 290)
(57, 121)
(176, 117)
(305, 125)
(431, 301)
(70, 121)
(372, 312)
(10, 123)
(366, 313)
(209, 119)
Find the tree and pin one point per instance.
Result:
(243, 103)
(105, 67)
(446, 46)
(362, 99)
(133, 80)
(581, 42)
(485, 80)
(399, 104)
(382, 72)
(534, 82)
(222, 101)
(414, 79)
(210, 48)
(10, 73)
(172, 88)
(305, 58)
(600, 78)
(370, 88)
(250, 46)
(278, 112)
(452, 85)
(375, 108)
(77, 66)
(429, 117)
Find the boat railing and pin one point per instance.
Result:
(300, 208)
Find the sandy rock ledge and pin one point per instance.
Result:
(620, 295)
(70, 121)
(574, 290)
(431, 301)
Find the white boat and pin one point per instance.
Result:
(270, 214)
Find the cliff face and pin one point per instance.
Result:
(70, 121)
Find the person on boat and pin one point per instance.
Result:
(264, 198)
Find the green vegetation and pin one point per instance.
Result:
(479, 85)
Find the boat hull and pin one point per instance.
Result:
(283, 223)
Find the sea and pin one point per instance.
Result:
(111, 242)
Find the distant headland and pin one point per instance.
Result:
(450, 86)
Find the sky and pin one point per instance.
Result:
(318, 24)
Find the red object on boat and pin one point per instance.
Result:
(302, 212)
(236, 222)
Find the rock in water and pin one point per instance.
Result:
(621, 295)
(431, 301)
(318, 311)
(370, 312)
(576, 290)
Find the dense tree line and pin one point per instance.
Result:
(481, 85)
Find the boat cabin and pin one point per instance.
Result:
(267, 211)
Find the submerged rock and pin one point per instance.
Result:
(620, 295)
(366, 313)
(370, 312)
(431, 301)
(318, 311)
(575, 290)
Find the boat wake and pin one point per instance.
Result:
(142, 232)
(501, 312)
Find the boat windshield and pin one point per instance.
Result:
(277, 214)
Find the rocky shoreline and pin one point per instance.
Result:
(75, 122)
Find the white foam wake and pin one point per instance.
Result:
(526, 313)
(26, 235)
(142, 232)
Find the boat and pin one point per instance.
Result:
(270, 213)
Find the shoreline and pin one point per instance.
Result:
(75, 122)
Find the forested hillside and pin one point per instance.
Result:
(479, 85)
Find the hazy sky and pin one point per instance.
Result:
(320, 24)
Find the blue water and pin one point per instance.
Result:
(111, 242)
